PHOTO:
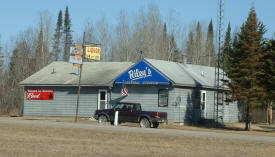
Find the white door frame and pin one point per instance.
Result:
(98, 98)
(205, 105)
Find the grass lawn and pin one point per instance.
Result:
(29, 140)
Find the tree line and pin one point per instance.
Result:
(143, 34)
(250, 64)
(248, 56)
(28, 52)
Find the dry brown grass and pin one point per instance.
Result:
(29, 140)
(262, 129)
(235, 128)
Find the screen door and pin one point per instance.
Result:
(102, 99)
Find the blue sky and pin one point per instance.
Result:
(18, 15)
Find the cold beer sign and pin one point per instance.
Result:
(40, 94)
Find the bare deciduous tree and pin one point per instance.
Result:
(30, 52)
(123, 36)
(90, 32)
(104, 37)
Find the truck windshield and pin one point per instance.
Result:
(118, 106)
(127, 106)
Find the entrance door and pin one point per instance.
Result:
(203, 104)
(102, 99)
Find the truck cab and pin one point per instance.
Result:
(131, 112)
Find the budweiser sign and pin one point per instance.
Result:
(39, 94)
(138, 74)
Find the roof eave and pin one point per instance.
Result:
(74, 85)
(202, 86)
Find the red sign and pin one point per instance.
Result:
(40, 94)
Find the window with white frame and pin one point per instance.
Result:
(203, 99)
(163, 98)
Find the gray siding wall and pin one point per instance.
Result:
(64, 103)
(189, 110)
(232, 112)
(182, 105)
(147, 96)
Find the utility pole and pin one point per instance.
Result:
(79, 78)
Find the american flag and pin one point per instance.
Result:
(124, 91)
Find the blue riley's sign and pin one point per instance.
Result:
(142, 74)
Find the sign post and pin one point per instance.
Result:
(77, 54)
(79, 80)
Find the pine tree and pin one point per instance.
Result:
(197, 59)
(245, 64)
(57, 36)
(174, 52)
(39, 50)
(208, 58)
(266, 78)
(190, 48)
(67, 35)
(164, 44)
(227, 48)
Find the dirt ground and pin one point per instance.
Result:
(29, 140)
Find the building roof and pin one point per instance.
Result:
(186, 74)
(104, 74)
(63, 73)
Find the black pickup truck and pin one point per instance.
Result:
(131, 112)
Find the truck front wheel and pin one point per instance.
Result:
(102, 120)
(144, 123)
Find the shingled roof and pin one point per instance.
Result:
(104, 73)
(64, 74)
(186, 74)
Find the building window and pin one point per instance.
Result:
(227, 98)
(163, 97)
(203, 99)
